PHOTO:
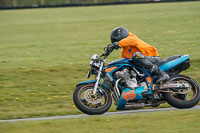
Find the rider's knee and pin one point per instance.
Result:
(137, 55)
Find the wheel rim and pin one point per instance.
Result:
(97, 101)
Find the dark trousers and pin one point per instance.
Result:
(146, 62)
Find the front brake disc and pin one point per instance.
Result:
(93, 99)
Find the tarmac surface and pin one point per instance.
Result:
(106, 114)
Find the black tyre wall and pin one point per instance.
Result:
(87, 110)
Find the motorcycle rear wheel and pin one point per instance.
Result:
(91, 104)
(182, 101)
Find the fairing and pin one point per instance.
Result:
(173, 63)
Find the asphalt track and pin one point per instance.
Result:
(106, 114)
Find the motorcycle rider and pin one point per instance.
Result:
(142, 54)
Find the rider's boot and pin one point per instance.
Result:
(162, 76)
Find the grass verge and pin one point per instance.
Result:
(182, 121)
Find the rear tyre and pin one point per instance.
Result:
(188, 100)
(91, 104)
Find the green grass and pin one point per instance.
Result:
(186, 121)
(44, 53)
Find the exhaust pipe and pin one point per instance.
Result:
(134, 106)
(142, 105)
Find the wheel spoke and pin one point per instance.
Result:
(183, 97)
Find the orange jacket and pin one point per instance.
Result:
(132, 44)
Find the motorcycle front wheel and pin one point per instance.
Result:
(183, 98)
(91, 104)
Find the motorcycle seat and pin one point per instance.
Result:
(170, 58)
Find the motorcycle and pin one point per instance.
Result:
(132, 87)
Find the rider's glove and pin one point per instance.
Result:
(115, 45)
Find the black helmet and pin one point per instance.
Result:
(118, 34)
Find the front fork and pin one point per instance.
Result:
(98, 77)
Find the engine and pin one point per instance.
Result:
(126, 78)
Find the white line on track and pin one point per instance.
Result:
(85, 115)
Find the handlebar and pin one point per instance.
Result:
(107, 51)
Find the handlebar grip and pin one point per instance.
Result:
(108, 50)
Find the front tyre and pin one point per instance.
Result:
(91, 104)
(183, 98)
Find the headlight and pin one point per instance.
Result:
(95, 61)
(95, 56)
